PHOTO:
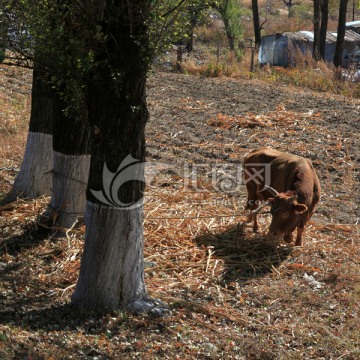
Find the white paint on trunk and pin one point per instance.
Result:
(112, 265)
(69, 181)
(34, 178)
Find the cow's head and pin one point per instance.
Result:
(285, 211)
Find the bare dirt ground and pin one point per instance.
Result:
(322, 127)
(233, 294)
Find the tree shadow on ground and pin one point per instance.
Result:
(244, 257)
(61, 318)
(32, 236)
(51, 318)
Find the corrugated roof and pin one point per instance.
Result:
(306, 36)
(297, 36)
(349, 36)
(353, 23)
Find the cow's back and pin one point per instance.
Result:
(276, 167)
(264, 155)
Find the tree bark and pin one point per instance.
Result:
(193, 21)
(34, 178)
(222, 8)
(112, 270)
(71, 165)
(290, 4)
(316, 45)
(256, 21)
(229, 34)
(324, 4)
(338, 57)
(69, 177)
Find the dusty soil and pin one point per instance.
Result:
(233, 295)
(179, 132)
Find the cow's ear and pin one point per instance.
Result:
(300, 208)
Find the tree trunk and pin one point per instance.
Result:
(338, 57)
(229, 34)
(112, 269)
(316, 45)
(68, 199)
(34, 178)
(256, 21)
(222, 8)
(323, 28)
(71, 165)
(193, 21)
(289, 4)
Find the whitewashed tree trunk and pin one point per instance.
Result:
(68, 195)
(112, 266)
(34, 178)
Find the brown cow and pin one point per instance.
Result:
(286, 182)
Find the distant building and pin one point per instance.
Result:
(282, 49)
(353, 25)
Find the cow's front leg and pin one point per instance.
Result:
(256, 224)
(253, 218)
(299, 241)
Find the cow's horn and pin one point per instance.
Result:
(274, 192)
(259, 208)
(293, 198)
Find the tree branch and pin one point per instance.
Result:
(262, 24)
(173, 9)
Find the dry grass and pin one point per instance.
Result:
(279, 116)
(211, 68)
(279, 21)
(233, 295)
(308, 73)
(14, 120)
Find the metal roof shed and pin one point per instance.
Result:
(353, 25)
(280, 49)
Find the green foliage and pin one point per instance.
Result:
(302, 11)
(13, 32)
(234, 11)
(165, 24)
(172, 21)
(67, 35)
(61, 39)
(231, 12)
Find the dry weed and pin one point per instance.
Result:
(233, 294)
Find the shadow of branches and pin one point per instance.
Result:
(244, 258)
